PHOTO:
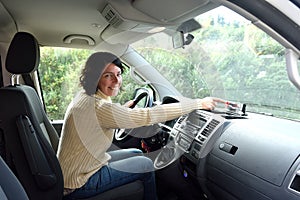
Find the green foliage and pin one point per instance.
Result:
(225, 67)
(60, 69)
(249, 72)
(254, 73)
(187, 73)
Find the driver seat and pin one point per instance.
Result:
(28, 140)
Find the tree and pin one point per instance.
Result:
(60, 69)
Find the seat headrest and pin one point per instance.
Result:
(23, 54)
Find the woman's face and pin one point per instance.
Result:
(111, 80)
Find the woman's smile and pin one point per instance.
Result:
(111, 80)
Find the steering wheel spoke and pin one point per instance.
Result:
(143, 96)
(120, 134)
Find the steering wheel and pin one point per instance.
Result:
(169, 152)
(142, 96)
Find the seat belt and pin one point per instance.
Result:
(28, 80)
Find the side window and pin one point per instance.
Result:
(59, 73)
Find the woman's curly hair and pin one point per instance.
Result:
(94, 68)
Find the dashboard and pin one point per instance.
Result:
(237, 157)
(193, 132)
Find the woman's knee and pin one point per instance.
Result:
(147, 163)
(124, 154)
(136, 152)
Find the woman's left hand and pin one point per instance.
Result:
(129, 103)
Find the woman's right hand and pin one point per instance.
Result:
(209, 103)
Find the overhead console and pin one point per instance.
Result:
(147, 17)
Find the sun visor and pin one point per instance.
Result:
(170, 11)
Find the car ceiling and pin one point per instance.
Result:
(80, 23)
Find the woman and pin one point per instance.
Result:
(90, 120)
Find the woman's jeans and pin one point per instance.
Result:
(126, 165)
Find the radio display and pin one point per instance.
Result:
(197, 120)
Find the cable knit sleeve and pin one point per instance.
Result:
(113, 115)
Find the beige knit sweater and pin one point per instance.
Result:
(89, 126)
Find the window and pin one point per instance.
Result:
(229, 58)
(59, 73)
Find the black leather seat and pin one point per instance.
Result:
(30, 139)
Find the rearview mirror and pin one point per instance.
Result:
(178, 40)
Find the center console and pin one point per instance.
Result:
(192, 131)
(193, 136)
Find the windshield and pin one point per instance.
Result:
(228, 58)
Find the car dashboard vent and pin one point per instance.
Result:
(295, 184)
(111, 16)
(210, 127)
